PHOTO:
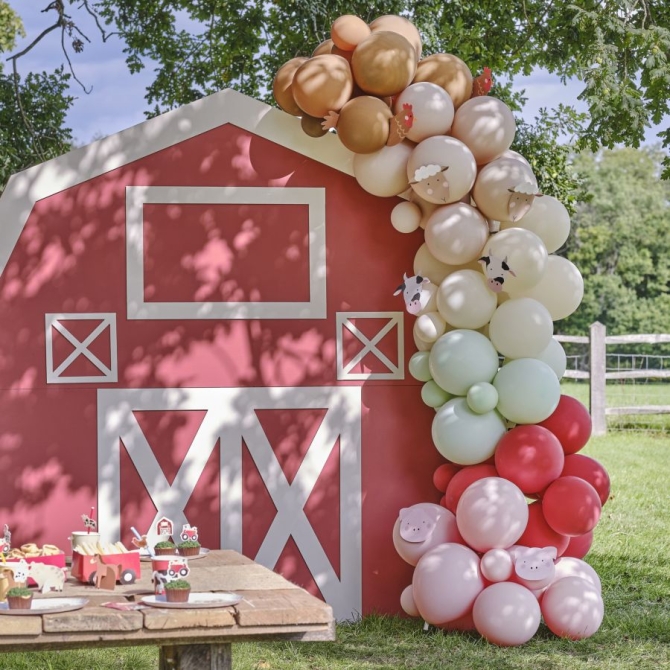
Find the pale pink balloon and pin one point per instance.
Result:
(442, 525)
(497, 565)
(506, 614)
(568, 566)
(446, 582)
(492, 513)
(407, 601)
(573, 608)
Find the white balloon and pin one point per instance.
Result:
(554, 356)
(548, 219)
(456, 233)
(405, 217)
(426, 265)
(419, 343)
(432, 107)
(464, 300)
(384, 172)
(520, 328)
(430, 326)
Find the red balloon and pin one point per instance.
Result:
(589, 469)
(538, 533)
(529, 456)
(579, 546)
(571, 423)
(462, 479)
(571, 506)
(443, 475)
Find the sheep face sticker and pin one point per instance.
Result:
(496, 270)
(430, 183)
(521, 200)
(416, 297)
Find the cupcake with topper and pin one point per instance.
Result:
(177, 591)
(19, 598)
(189, 545)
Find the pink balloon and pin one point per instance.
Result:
(407, 601)
(497, 565)
(492, 514)
(436, 525)
(573, 608)
(506, 614)
(446, 582)
(575, 567)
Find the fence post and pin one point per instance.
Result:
(597, 367)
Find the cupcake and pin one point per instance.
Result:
(165, 548)
(189, 548)
(177, 591)
(19, 598)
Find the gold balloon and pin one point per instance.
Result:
(449, 72)
(324, 48)
(312, 126)
(400, 25)
(348, 31)
(384, 63)
(281, 86)
(363, 126)
(322, 84)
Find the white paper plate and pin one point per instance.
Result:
(46, 606)
(145, 556)
(196, 601)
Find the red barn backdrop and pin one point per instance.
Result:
(197, 322)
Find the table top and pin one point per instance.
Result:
(272, 608)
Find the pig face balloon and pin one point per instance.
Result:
(533, 566)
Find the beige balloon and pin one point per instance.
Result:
(456, 233)
(400, 25)
(441, 170)
(432, 108)
(281, 86)
(560, 289)
(420, 344)
(491, 191)
(384, 173)
(322, 84)
(326, 47)
(348, 31)
(521, 328)
(363, 124)
(430, 326)
(554, 356)
(526, 256)
(426, 265)
(405, 217)
(464, 300)
(486, 126)
(515, 155)
(449, 72)
(548, 219)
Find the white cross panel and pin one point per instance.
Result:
(230, 418)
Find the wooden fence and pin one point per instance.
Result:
(598, 376)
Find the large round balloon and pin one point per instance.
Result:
(521, 328)
(400, 25)
(461, 358)
(462, 479)
(548, 219)
(571, 423)
(464, 300)
(506, 614)
(494, 190)
(441, 170)
(432, 108)
(530, 457)
(588, 469)
(322, 84)
(384, 172)
(426, 265)
(281, 86)
(456, 233)
(568, 566)
(363, 126)
(573, 608)
(486, 126)
(449, 72)
(539, 533)
(560, 289)
(446, 582)
(348, 31)
(554, 356)
(384, 63)
(571, 506)
(492, 514)
(528, 390)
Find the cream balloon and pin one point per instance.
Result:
(524, 253)
(426, 265)
(427, 208)
(554, 356)
(384, 172)
(441, 169)
(560, 289)
(548, 219)
(432, 108)
(520, 328)
(491, 191)
(419, 343)
(456, 233)
(405, 217)
(464, 300)
(486, 126)
(430, 326)
(515, 155)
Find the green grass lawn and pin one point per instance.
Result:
(631, 554)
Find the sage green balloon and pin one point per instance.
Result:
(482, 397)
(433, 395)
(418, 366)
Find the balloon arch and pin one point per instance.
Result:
(504, 547)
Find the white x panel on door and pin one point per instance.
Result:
(230, 418)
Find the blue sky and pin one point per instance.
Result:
(117, 98)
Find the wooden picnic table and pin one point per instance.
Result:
(189, 639)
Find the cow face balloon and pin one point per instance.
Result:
(496, 271)
(533, 566)
(414, 292)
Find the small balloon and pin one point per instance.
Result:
(419, 366)
(497, 565)
(348, 31)
(405, 217)
(482, 397)
(432, 395)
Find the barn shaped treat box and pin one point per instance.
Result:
(200, 311)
